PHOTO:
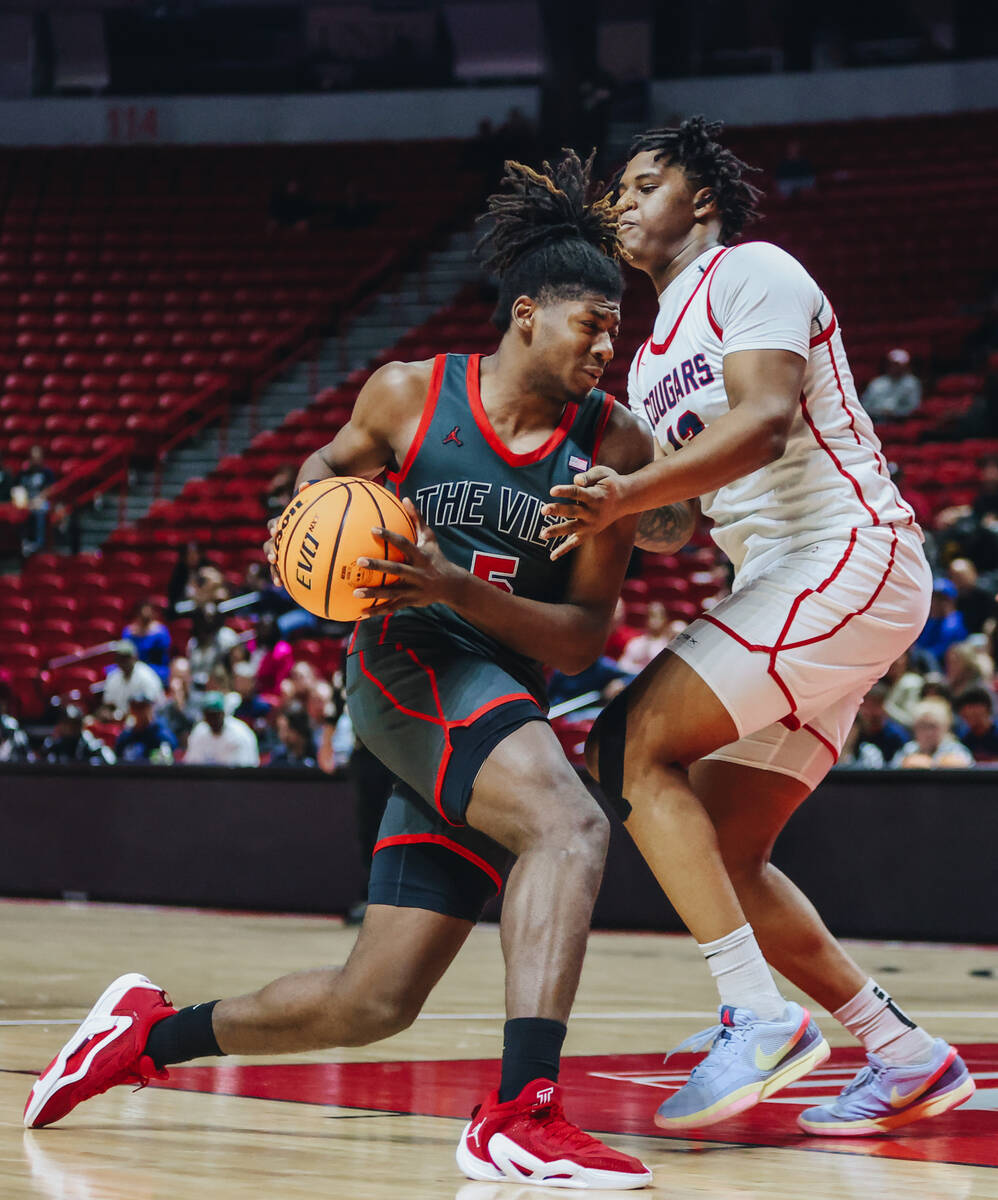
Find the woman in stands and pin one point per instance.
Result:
(745, 384)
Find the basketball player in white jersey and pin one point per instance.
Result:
(745, 384)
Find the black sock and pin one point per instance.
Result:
(531, 1050)
(188, 1034)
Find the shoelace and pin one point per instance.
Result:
(553, 1116)
(724, 1038)
(869, 1073)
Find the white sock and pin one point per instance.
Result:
(873, 1017)
(743, 979)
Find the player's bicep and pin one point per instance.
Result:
(358, 451)
(769, 381)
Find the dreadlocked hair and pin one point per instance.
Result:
(694, 147)
(549, 239)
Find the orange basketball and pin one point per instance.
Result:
(322, 533)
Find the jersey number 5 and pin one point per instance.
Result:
(497, 569)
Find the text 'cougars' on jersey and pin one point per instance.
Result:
(691, 375)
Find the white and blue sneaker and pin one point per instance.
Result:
(883, 1097)
(749, 1059)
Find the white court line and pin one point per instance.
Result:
(630, 1015)
(675, 1014)
(61, 1021)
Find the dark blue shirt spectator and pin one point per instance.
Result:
(151, 639)
(146, 738)
(976, 726)
(945, 624)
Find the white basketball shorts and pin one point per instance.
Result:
(792, 653)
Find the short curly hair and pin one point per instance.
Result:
(694, 147)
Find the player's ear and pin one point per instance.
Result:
(524, 313)
(704, 204)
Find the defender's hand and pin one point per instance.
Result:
(270, 550)
(583, 508)
(425, 576)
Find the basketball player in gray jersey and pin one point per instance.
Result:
(444, 685)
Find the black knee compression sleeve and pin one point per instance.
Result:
(610, 731)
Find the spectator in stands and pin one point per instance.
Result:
(218, 740)
(905, 684)
(857, 753)
(897, 393)
(944, 625)
(298, 686)
(70, 742)
(146, 737)
(14, 744)
(272, 657)
(280, 489)
(290, 207)
(296, 746)
(933, 744)
(183, 578)
(876, 727)
(975, 604)
(252, 708)
(210, 585)
(6, 483)
(795, 172)
(128, 678)
(151, 638)
(598, 684)
(640, 650)
(977, 728)
(179, 713)
(31, 493)
(967, 665)
(337, 742)
(211, 640)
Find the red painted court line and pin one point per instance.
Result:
(612, 1094)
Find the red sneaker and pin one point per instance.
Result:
(529, 1140)
(106, 1050)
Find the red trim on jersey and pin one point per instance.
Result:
(384, 630)
(485, 426)
(858, 612)
(772, 652)
(643, 348)
(718, 331)
(429, 407)
(438, 839)
(661, 347)
(832, 455)
(877, 455)
(825, 334)
(824, 741)
(601, 425)
(770, 666)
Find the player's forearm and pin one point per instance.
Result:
(568, 637)
(666, 529)
(314, 467)
(733, 446)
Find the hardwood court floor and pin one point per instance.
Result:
(327, 1125)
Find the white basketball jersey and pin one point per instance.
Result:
(832, 477)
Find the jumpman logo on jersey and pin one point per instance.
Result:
(452, 436)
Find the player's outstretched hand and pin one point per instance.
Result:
(270, 550)
(582, 508)
(425, 576)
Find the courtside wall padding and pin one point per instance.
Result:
(882, 854)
